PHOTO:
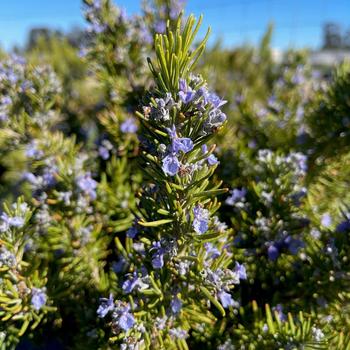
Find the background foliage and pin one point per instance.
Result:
(116, 153)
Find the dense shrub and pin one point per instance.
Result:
(142, 211)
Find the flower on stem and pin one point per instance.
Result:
(158, 255)
(129, 126)
(176, 305)
(87, 184)
(326, 220)
(39, 298)
(211, 159)
(241, 271)
(122, 317)
(183, 144)
(8, 221)
(171, 165)
(186, 94)
(226, 299)
(133, 281)
(201, 219)
(106, 306)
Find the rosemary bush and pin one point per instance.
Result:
(140, 210)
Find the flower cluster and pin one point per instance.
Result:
(269, 208)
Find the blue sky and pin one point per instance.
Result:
(298, 23)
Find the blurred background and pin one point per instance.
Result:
(322, 26)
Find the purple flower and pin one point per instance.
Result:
(6, 100)
(293, 245)
(106, 306)
(176, 305)
(298, 78)
(7, 258)
(39, 298)
(326, 220)
(236, 196)
(118, 266)
(215, 119)
(48, 176)
(178, 333)
(160, 27)
(158, 256)
(97, 27)
(132, 232)
(103, 152)
(211, 250)
(214, 100)
(122, 316)
(129, 126)
(343, 226)
(126, 321)
(241, 271)
(183, 144)
(201, 219)
(8, 221)
(83, 51)
(133, 281)
(186, 94)
(279, 309)
(273, 252)
(178, 144)
(87, 185)
(186, 97)
(300, 161)
(226, 299)
(171, 165)
(32, 151)
(130, 283)
(211, 159)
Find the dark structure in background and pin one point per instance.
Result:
(334, 37)
(77, 37)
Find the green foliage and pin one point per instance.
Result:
(116, 191)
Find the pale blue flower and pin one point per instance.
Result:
(241, 271)
(7, 258)
(106, 306)
(273, 252)
(176, 305)
(237, 195)
(211, 159)
(133, 281)
(171, 165)
(126, 321)
(103, 152)
(39, 298)
(158, 255)
(214, 100)
(129, 126)
(10, 221)
(160, 27)
(123, 317)
(178, 333)
(201, 219)
(326, 220)
(183, 144)
(226, 299)
(186, 94)
(211, 251)
(87, 184)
